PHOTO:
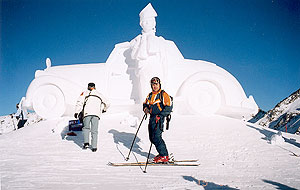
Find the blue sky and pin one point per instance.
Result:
(257, 41)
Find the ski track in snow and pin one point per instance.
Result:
(233, 155)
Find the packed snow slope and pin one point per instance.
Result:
(232, 155)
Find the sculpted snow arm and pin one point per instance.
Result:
(134, 44)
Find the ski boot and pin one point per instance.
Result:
(85, 146)
(161, 159)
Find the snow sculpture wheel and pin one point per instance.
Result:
(201, 96)
(49, 101)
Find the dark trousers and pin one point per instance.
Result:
(155, 136)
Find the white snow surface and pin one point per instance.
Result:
(232, 155)
(294, 107)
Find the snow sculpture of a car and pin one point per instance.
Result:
(198, 87)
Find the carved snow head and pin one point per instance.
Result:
(147, 18)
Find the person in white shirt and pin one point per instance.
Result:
(92, 104)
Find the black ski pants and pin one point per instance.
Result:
(155, 135)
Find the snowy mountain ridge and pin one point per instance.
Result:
(285, 116)
(9, 123)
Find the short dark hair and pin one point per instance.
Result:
(91, 84)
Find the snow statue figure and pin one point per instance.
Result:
(149, 55)
(147, 52)
(198, 87)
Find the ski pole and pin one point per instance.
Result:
(147, 158)
(144, 117)
(150, 149)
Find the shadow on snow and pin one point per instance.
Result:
(212, 186)
(278, 185)
(208, 185)
(126, 139)
(268, 135)
(119, 138)
(78, 139)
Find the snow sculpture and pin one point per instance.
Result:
(48, 63)
(150, 53)
(198, 87)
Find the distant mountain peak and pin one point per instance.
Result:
(285, 116)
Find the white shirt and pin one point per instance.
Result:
(95, 103)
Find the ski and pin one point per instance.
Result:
(171, 163)
(152, 164)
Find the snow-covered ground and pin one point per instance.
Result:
(232, 155)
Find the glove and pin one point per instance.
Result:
(157, 118)
(146, 110)
(76, 115)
